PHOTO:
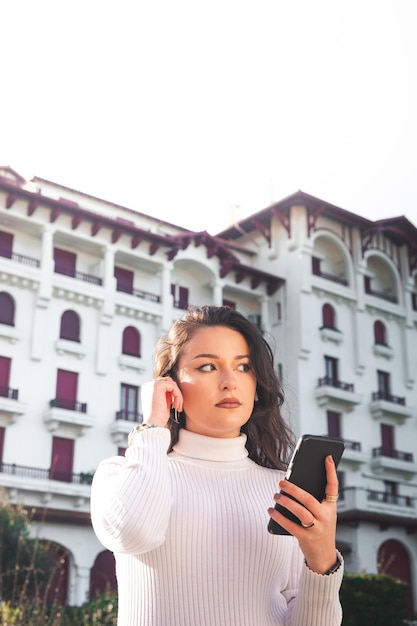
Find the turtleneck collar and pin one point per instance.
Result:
(204, 448)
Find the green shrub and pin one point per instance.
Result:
(374, 600)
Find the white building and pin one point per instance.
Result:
(86, 288)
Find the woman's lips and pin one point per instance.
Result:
(229, 403)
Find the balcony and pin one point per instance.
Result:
(19, 258)
(10, 407)
(53, 495)
(357, 504)
(353, 454)
(385, 405)
(341, 280)
(24, 471)
(384, 295)
(331, 334)
(125, 421)
(389, 461)
(139, 293)
(88, 278)
(67, 413)
(336, 394)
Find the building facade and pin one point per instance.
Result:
(86, 289)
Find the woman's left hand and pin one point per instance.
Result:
(317, 534)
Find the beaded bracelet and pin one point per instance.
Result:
(138, 429)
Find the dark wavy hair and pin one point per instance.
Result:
(269, 438)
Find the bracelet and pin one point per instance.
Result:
(138, 429)
(331, 569)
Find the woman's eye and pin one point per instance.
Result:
(244, 367)
(207, 367)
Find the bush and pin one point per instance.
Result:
(374, 600)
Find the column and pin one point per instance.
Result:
(43, 297)
(218, 293)
(166, 297)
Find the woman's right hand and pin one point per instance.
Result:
(158, 396)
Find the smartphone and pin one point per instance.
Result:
(307, 470)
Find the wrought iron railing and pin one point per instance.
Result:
(333, 382)
(129, 416)
(19, 258)
(139, 293)
(88, 278)
(384, 395)
(393, 454)
(8, 392)
(24, 471)
(69, 405)
(389, 498)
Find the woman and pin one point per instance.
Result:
(186, 510)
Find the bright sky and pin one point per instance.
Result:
(202, 112)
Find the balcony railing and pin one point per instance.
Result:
(88, 278)
(352, 445)
(83, 478)
(389, 498)
(385, 295)
(333, 382)
(388, 397)
(7, 392)
(19, 258)
(129, 416)
(69, 405)
(139, 293)
(393, 454)
(333, 277)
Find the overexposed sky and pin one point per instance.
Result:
(201, 113)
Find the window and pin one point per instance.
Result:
(2, 437)
(129, 395)
(62, 459)
(279, 311)
(5, 364)
(230, 304)
(390, 492)
(131, 341)
(6, 309)
(384, 383)
(329, 316)
(380, 333)
(6, 244)
(315, 263)
(65, 262)
(180, 296)
(331, 367)
(66, 390)
(334, 424)
(387, 439)
(70, 326)
(124, 279)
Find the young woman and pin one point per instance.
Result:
(186, 510)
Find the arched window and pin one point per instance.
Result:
(329, 316)
(131, 341)
(70, 326)
(380, 333)
(6, 309)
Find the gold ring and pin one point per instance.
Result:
(308, 525)
(332, 498)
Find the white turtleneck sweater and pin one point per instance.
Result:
(189, 534)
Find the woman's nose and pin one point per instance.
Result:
(228, 380)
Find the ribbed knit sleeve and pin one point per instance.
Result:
(131, 496)
(317, 601)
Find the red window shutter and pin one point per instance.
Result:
(380, 333)
(333, 424)
(131, 341)
(124, 279)
(103, 575)
(70, 326)
(2, 437)
(5, 364)
(62, 459)
(65, 262)
(66, 389)
(230, 304)
(6, 309)
(183, 303)
(387, 438)
(328, 316)
(315, 265)
(6, 244)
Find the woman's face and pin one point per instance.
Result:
(217, 382)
